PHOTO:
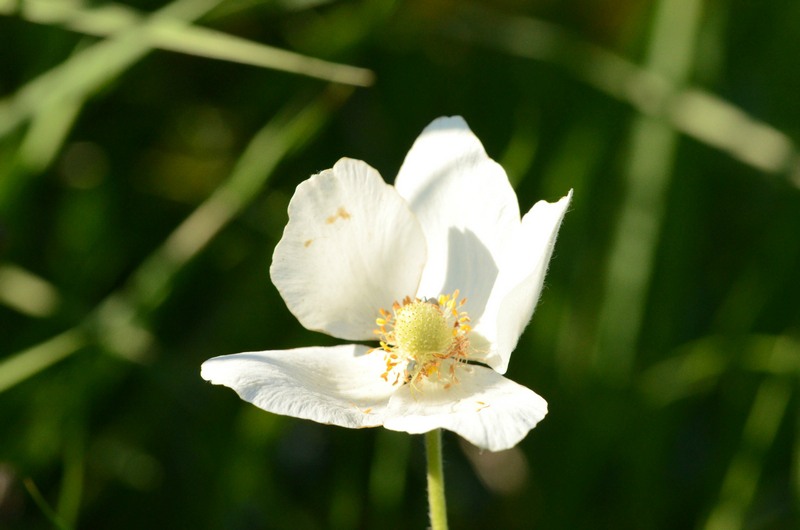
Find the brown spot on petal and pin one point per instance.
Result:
(341, 213)
(308, 242)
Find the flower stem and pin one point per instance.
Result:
(436, 500)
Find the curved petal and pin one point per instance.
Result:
(351, 247)
(466, 208)
(485, 408)
(340, 385)
(522, 270)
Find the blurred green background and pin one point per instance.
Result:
(148, 152)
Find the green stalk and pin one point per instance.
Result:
(436, 500)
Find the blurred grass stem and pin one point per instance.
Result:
(69, 501)
(31, 361)
(87, 71)
(741, 480)
(40, 501)
(436, 499)
(653, 148)
(650, 90)
(172, 35)
(26, 292)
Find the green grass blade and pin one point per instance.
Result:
(27, 293)
(87, 71)
(692, 111)
(741, 480)
(217, 45)
(166, 34)
(24, 364)
(40, 501)
(653, 146)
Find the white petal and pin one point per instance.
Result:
(485, 408)
(522, 270)
(351, 247)
(466, 208)
(340, 385)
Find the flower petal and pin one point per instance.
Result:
(340, 385)
(485, 408)
(351, 247)
(519, 283)
(466, 208)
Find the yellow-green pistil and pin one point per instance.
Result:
(420, 330)
(418, 336)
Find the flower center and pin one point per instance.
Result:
(424, 339)
(420, 330)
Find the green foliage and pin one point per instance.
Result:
(147, 156)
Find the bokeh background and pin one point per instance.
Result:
(148, 151)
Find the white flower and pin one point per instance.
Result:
(364, 261)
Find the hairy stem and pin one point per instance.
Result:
(436, 499)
